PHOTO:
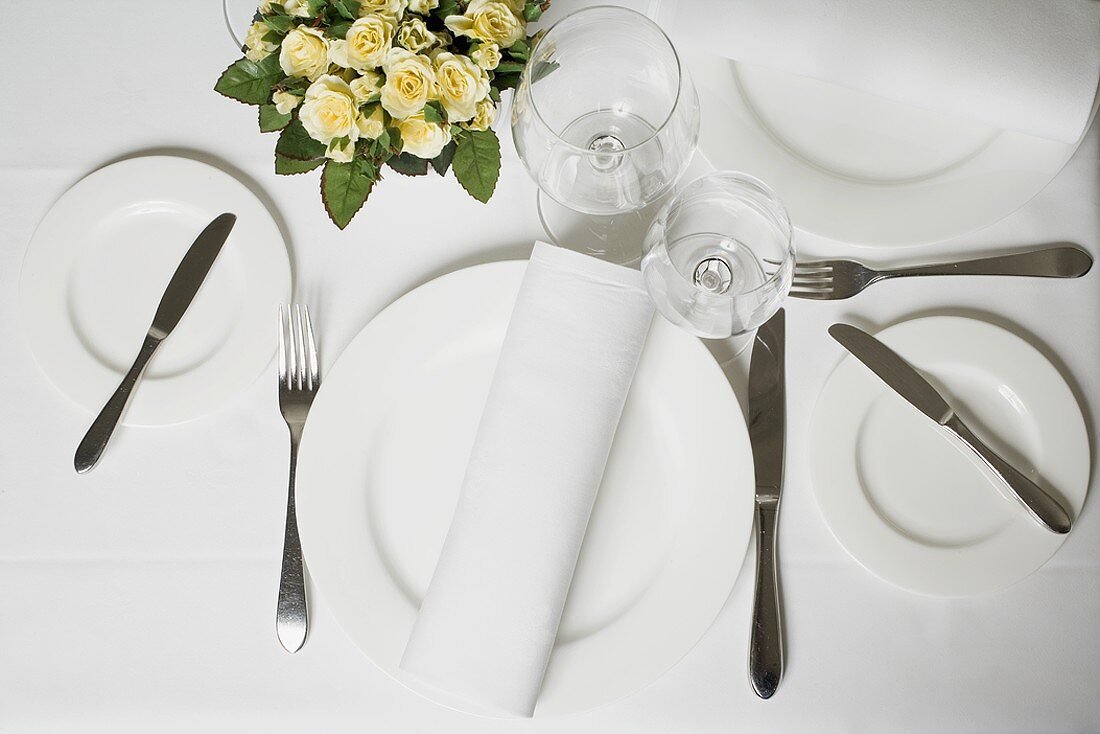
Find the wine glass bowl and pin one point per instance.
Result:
(605, 118)
(719, 259)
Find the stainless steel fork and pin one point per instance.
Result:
(829, 280)
(299, 380)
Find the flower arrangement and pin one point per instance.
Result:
(356, 85)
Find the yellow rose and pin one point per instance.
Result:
(423, 6)
(421, 138)
(305, 53)
(487, 56)
(258, 48)
(415, 36)
(410, 82)
(390, 8)
(341, 153)
(462, 84)
(366, 44)
(330, 110)
(299, 8)
(285, 102)
(367, 87)
(483, 118)
(373, 125)
(492, 21)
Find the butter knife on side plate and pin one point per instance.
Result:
(767, 428)
(900, 376)
(181, 290)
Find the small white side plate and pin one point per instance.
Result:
(911, 503)
(861, 169)
(97, 267)
(387, 443)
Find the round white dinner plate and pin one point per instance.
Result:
(98, 265)
(862, 169)
(386, 447)
(911, 503)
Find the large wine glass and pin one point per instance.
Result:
(606, 120)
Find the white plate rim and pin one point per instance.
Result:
(80, 376)
(888, 554)
(814, 195)
(320, 549)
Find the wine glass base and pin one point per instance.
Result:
(616, 238)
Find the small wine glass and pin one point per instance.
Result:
(719, 258)
(606, 120)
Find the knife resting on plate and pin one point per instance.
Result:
(181, 290)
(900, 376)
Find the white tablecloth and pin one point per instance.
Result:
(141, 597)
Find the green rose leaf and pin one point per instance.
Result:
(442, 162)
(408, 164)
(520, 50)
(348, 9)
(345, 187)
(250, 81)
(295, 142)
(271, 120)
(288, 166)
(477, 163)
(338, 30)
(532, 12)
(509, 67)
(447, 7)
(316, 6)
(278, 23)
(506, 81)
(433, 112)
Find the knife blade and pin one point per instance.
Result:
(767, 426)
(181, 291)
(903, 379)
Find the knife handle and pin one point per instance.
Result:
(1044, 508)
(95, 440)
(766, 640)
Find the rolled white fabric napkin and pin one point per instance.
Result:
(1025, 65)
(488, 622)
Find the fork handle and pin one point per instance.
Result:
(1063, 261)
(292, 616)
(95, 440)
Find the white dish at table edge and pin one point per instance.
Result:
(914, 506)
(97, 266)
(864, 170)
(385, 449)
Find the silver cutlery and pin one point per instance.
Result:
(900, 376)
(181, 290)
(299, 380)
(767, 421)
(830, 280)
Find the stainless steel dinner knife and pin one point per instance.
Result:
(181, 290)
(907, 382)
(767, 426)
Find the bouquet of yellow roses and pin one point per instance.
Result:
(356, 85)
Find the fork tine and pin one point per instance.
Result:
(292, 350)
(311, 349)
(282, 349)
(816, 295)
(299, 346)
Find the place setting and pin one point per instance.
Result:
(527, 488)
